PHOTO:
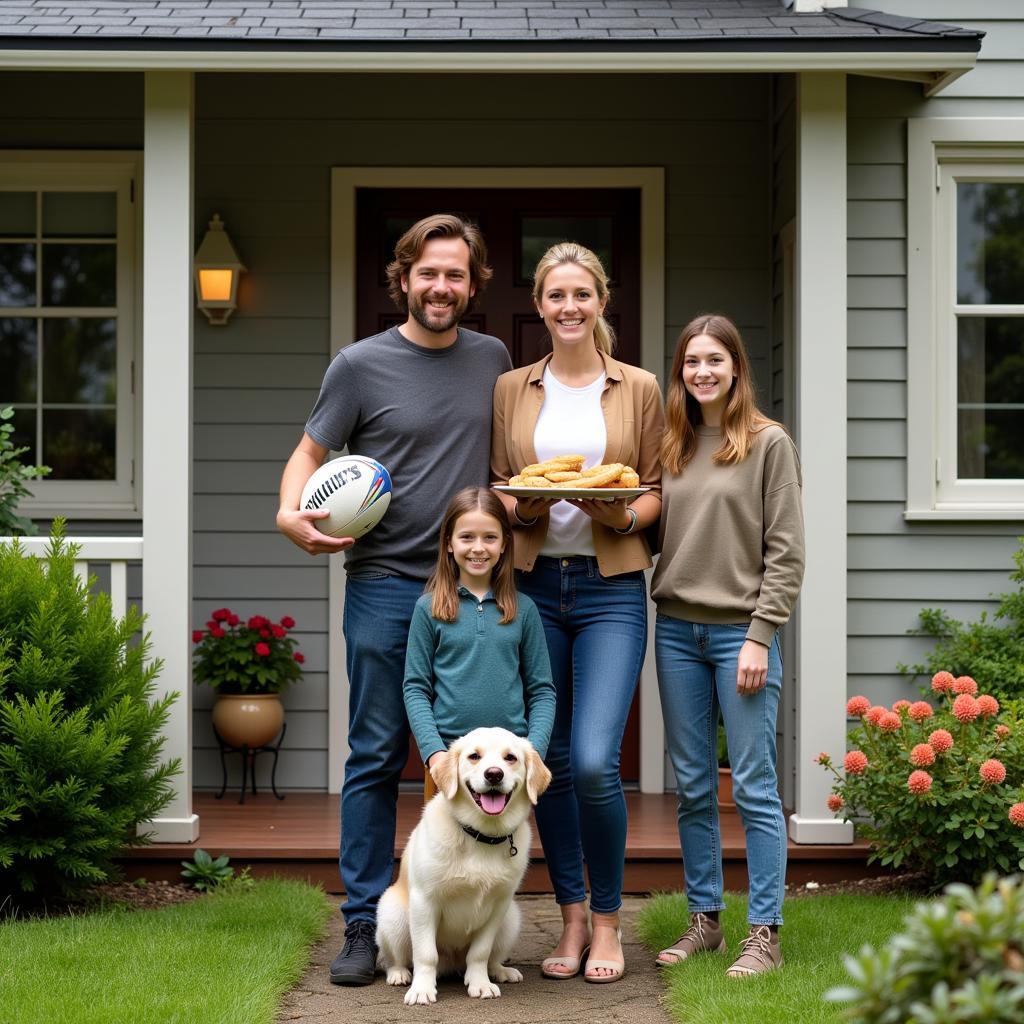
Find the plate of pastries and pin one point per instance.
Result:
(564, 477)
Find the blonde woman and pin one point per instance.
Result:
(582, 563)
(732, 559)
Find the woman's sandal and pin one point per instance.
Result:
(571, 962)
(617, 967)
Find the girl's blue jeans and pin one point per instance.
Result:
(596, 630)
(697, 676)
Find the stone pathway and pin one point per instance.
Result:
(536, 1000)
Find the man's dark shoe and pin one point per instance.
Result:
(357, 961)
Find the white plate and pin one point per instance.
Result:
(601, 493)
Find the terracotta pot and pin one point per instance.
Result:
(725, 800)
(249, 720)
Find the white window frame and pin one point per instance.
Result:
(119, 172)
(941, 152)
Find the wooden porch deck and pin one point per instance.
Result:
(298, 836)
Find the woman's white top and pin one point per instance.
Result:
(571, 422)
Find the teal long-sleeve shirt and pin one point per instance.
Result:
(476, 672)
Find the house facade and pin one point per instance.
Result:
(848, 185)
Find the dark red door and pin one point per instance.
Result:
(518, 226)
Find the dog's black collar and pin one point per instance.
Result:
(492, 840)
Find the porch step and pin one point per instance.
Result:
(298, 837)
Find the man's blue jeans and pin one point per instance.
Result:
(696, 676)
(596, 629)
(378, 610)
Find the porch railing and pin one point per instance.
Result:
(117, 552)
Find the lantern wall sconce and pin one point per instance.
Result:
(217, 269)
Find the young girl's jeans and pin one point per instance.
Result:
(696, 676)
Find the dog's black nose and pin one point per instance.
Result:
(494, 775)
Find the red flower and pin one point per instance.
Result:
(212, 624)
(988, 706)
(835, 802)
(857, 705)
(942, 681)
(940, 741)
(919, 783)
(920, 710)
(217, 633)
(965, 684)
(262, 650)
(1017, 815)
(221, 614)
(233, 620)
(299, 657)
(197, 635)
(265, 633)
(993, 771)
(965, 707)
(257, 622)
(278, 631)
(287, 621)
(855, 762)
(890, 722)
(922, 755)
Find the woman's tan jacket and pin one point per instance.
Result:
(634, 419)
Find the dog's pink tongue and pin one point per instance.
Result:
(492, 803)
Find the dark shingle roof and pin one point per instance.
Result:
(701, 24)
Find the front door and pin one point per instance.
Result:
(518, 226)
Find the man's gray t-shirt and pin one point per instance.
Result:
(426, 415)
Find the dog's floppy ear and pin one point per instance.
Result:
(538, 778)
(445, 773)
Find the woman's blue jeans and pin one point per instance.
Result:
(696, 676)
(596, 630)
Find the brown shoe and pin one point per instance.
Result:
(703, 936)
(759, 952)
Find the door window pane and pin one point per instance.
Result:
(80, 361)
(539, 233)
(17, 214)
(17, 274)
(990, 398)
(80, 214)
(80, 444)
(18, 360)
(79, 275)
(990, 243)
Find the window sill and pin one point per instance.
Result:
(964, 513)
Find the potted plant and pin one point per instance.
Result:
(248, 664)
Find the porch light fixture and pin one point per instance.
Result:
(217, 269)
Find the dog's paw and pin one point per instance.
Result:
(420, 994)
(507, 975)
(485, 989)
(399, 976)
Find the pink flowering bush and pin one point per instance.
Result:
(936, 786)
(254, 656)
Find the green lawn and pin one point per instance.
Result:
(818, 931)
(226, 959)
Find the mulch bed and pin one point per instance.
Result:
(908, 884)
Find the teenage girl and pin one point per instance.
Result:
(476, 654)
(732, 560)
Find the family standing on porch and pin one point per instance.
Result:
(418, 398)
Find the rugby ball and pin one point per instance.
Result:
(354, 489)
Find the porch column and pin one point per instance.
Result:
(821, 436)
(167, 420)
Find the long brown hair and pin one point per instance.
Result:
(409, 249)
(573, 252)
(444, 580)
(741, 418)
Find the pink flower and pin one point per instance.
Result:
(874, 714)
(942, 681)
(287, 621)
(965, 707)
(1002, 731)
(993, 771)
(1017, 815)
(890, 722)
(965, 684)
(855, 762)
(822, 758)
(900, 705)
(988, 706)
(835, 802)
(919, 783)
(922, 755)
(217, 633)
(857, 706)
(940, 741)
(299, 657)
(262, 650)
(197, 635)
(920, 710)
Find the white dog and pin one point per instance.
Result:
(452, 905)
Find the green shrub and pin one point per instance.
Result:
(13, 477)
(205, 873)
(992, 654)
(959, 959)
(79, 728)
(936, 789)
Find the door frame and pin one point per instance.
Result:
(344, 183)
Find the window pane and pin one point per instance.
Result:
(79, 444)
(17, 275)
(18, 360)
(80, 214)
(990, 398)
(990, 242)
(79, 275)
(538, 234)
(17, 214)
(80, 361)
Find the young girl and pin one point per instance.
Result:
(731, 565)
(476, 654)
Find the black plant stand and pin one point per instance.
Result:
(249, 763)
